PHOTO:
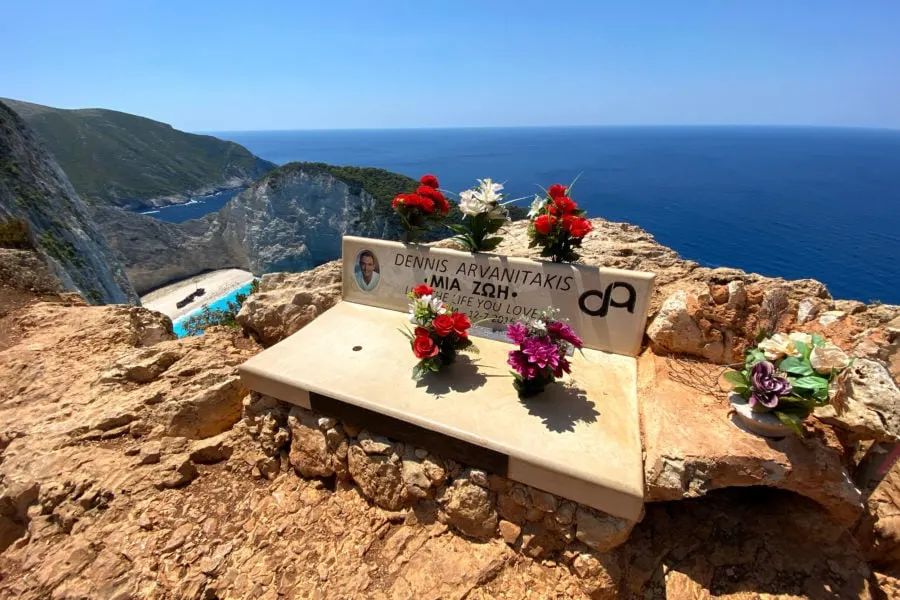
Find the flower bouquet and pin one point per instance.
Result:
(483, 216)
(557, 225)
(422, 208)
(542, 355)
(788, 375)
(439, 334)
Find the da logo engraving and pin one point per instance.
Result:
(606, 300)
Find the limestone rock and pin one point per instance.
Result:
(691, 445)
(469, 508)
(379, 476)
(15, 498)
(211, 411)
(869, 405)
(600, 574)
(144, 365)
(375, 444)
(450, 568)
(150, 453)
(176, 471)
(600, 532)
(509, 531)
(312, 453)
(213, 449)
(674, 330)
(286, 302)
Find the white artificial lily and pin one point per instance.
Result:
(482, 199)
(536, 207)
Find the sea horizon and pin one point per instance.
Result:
(217, 132)
(794, 202)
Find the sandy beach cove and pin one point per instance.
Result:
(216, 283)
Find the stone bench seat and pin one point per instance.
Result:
(579, 440)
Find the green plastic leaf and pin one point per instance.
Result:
(754, 356)
(741, 390)
(802, 348)
(811, 382)
(461, 229)
(491, 243)
(792, 420)
(736, 378)
(821, 396)
(796, 366)
(420, 370)
(817, 340)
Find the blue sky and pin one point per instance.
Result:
(231, 65)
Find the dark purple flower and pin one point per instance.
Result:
(563, 367)
(565, 332)
(517, 332)
(766, 387)
(518, 361)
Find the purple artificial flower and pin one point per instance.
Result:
(564, 332)
(517, 333)
(519, 361)
(541, 351)
(563, 367)
(766, 387)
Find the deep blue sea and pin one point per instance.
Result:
(790, 202)
(195, 208)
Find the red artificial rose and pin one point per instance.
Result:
(442, 205)
(398, 199)
(429, 180)
(556, 190)
(544, 224)
(565, 205)
(422, 332)
(579, 227)
(552, 209)
(443, 325)
(461, 324)
(428, 192)
(426, 205)
(424, 347)
(422, 290)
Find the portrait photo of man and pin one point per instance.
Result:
(367, 271)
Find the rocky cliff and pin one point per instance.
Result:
(117, 159)
(133, 464)
(290, 220)
(34, 190)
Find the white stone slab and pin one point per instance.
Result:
(580, 440)
(607, 307)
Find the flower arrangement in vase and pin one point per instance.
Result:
(557, 225)
(789, 376)
(420, 210)
(483, 216)
(439, 334)
(542, 354)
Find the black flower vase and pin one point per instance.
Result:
(529, 388)
(447, 351)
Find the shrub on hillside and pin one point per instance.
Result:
(15, 233)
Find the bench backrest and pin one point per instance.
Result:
(606, 307)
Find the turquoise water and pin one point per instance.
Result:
(220, 304)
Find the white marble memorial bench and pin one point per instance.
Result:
(580, 439)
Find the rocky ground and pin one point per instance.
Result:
(136, 465)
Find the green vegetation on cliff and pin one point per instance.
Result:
(380, 184)
(123, 160)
